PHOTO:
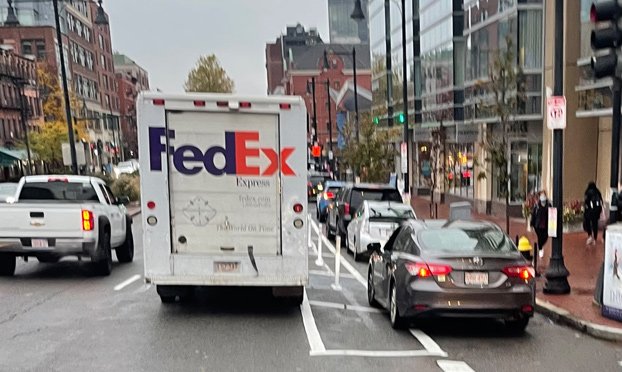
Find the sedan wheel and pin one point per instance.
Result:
(397, 322)
(371, 291)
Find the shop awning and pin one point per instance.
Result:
(8, 157)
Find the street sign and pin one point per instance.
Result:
(556, 112)
(404, 155)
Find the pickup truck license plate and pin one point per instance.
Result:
(476, 278)
(39, 243)
(226, 267)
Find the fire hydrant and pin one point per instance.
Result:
(524, 247)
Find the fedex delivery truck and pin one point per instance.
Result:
(223, 187)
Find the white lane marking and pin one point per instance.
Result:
(329, 273)
(344, 263)
(375, 353)
(454, 366)
(313, 335)
(127, 282)
(334, 305)
(427, 342)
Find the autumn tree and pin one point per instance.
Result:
(373, 159)
(52, 95)
(208, 76)
(505, 90)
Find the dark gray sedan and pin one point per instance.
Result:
(451, 269)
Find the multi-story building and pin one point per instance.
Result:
(453, 54)
(342, 28)
(298, 57)
(20, 110)
(88, 62)
(131, 80)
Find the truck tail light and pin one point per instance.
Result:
(57, 179)
(222, 104)
(285, 106)
(88, 223)
(298, 208)
(158, 102)
(245, 105)
(199, 103)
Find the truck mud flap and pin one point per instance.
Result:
(252, 257)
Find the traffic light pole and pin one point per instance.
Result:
(557, 273)
(615, 152)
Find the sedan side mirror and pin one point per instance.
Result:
(373, 247)
(123, 200)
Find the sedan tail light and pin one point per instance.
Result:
(346, 208)
(423, 270)
(329, 195)
(522, 272)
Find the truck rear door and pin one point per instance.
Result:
(224, 180)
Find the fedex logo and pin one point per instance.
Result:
(237, 150)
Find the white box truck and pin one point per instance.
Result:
(223, 184)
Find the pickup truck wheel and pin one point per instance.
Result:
(125, 252)
(103, 266)
(7, 264)
(167, 299)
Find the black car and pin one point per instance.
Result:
(314, 184)
(451, 269)
(349, 199)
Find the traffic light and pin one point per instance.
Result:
(606, 39)
(401, 118)
(316, 151)
(376, 120)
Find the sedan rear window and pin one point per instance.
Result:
(360, 195)
(58, 192)
(390, 212)
(465, 241)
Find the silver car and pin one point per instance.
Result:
(375, 221)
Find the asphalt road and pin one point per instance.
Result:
(58, 317)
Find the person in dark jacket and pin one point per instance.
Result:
(539, 221)
(592, 208)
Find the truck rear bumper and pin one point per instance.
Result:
(60, 247)
(238, 281)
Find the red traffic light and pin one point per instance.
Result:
(316, 151)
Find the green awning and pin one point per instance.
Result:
(9, 157)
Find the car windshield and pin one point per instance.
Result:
(360, 195)
(456, 241)
(390, 212)
(58, 192)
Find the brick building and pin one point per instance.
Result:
(20, 111)
(88, 62)
(131, 80)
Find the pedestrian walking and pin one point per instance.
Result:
(539, 221)
(592, 209)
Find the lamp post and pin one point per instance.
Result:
(358, 16)
(100, 19)
(405, 98)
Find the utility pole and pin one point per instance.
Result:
(387, 32)
(557, 273)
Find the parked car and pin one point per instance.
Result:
(7, 192)
(126, 167)
(350, 199)
(315, 184)
(57, 216)
(325, 198)
(447, 269)
(374, 222)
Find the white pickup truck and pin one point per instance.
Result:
(56, 216)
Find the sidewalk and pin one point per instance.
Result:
(583, 263)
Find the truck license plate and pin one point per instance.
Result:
(39, 243)
(226, 267)
(476, 278)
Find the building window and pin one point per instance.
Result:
(530, 38)
(27, 47)
(101, 41)
(103, 61)
(41, 52)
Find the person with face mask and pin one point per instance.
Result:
(592, 209)
(539, 221)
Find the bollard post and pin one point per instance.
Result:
(309, 242)
(436, 211)
(320, 260)
(336, 286)
(516, 240)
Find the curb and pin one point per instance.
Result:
(562, 316)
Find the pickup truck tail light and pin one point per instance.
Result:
(88, 223)
(346, 208)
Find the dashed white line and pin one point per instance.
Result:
(454, 366)
(127, 282)
(334, 305)
(427, 342)
(313, 335)
(375, 353)
(329, 274)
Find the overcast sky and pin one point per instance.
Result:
(166, 37)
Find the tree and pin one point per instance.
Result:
(373, 159)
(505, 90)
(47, 143)
(52, 95)
(208, 76)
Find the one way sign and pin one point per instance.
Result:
(556, 112)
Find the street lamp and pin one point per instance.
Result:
(100, 19)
